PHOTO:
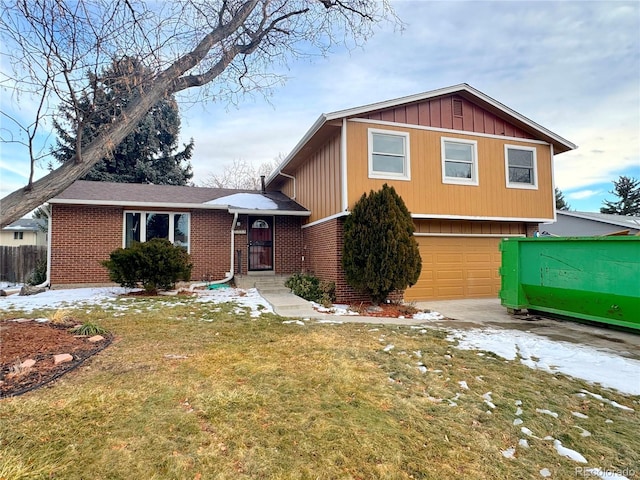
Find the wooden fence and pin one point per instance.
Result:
(18, 263)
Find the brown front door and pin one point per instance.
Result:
(260, 243)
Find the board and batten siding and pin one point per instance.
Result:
(426, 194)
(451, 112)
(318, 181)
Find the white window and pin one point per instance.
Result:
(143, 226)
(459, 161)
(389, 155)
(520, 167)
(18, 235)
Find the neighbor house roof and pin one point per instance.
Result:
(136, 195)
(617, 220)
(26, 225)
(328, 122)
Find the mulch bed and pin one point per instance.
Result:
(40, 342)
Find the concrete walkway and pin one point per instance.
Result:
(475, 313)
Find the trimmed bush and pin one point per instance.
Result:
(156, 264)
(380, 254)
(311, 288)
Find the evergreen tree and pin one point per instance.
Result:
(149, 153)
(627, 189)
(380, 254)
(561, 203)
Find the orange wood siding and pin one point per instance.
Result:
(468, 227)
(440, 112)
(426, 194)
(318, 181)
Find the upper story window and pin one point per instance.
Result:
(521, 168)
(459, 161)
(389, 154)
(143, 226)
(18, 235)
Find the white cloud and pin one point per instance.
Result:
(582, 194)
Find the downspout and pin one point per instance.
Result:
(47, 282)
(280, 172)
(229, 274)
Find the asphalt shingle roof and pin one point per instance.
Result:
(107, 193)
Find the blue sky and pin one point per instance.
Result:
(573, 67)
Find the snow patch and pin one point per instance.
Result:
(567, 452)
(255, 201)
(588, 363)
(509, 452)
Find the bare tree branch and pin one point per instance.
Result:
(218, 48)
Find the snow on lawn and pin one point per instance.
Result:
(112, 296)
(588, 363)
(61, 298)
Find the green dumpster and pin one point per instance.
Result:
(589, 278)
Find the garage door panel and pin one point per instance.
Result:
(480, 274)
(449, 275)
(481, 291)
(449, 258)
(457, 267)
(450, 292)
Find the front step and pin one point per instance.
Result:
(267, 283)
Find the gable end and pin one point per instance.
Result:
(451, 112)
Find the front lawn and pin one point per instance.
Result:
(192, 390)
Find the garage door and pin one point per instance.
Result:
(457, 267)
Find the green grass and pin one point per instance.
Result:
(259, 399)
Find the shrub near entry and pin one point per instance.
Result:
(154, 264)
(311, 288)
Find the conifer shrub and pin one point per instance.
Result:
(39, 274)
(156, 264)
(380, 254)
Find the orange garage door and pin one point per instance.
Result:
(457, 267)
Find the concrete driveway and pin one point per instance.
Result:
(476, 313)
(487, 312)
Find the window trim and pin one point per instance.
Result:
(18, 235)
(475, 178)
(143, 225)
(406, 175)
(525, 186)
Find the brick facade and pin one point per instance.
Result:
(209, 244)
(288, 245)
(84, 236)
(531, 229)
(81, 238)
(323, 257)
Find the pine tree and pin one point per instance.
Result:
(148, 154)
(380, 254)
(627, 189)
(561, 203)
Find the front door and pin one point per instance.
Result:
(260, 243)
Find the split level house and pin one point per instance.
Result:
(471, 171)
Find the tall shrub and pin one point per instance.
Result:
(380, 254)
(156, 264)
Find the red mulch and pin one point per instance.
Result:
(388, 310)
(40, 342)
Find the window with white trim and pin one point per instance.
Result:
(143, 226)
(389, 154)
(521, 167)
(459, 161)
